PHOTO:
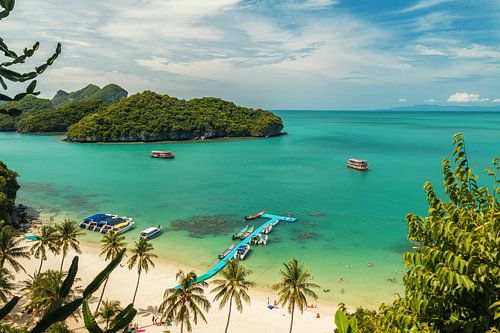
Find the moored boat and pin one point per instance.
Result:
(226, 251)
(123, 227)
(150, 232)
(240, 233)
(162, 154)
(357, 164)
(248, 232)
(242, 251)
(254, 216)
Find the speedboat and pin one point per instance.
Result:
(254, 216)
(226, 251)
(123, 227)
(242, 251)
(240, 233)
(248, 232)
(150, 232)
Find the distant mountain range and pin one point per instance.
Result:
(435, 107)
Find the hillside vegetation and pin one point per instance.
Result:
(149, 116)
(108, 94)
(61, 114)
(58, 120)
(29, 105)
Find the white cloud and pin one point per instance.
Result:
(434, 21)
(312, 4)
(496, 100)
(430, 100)
(423, 4)
(463, 97)
(402, 100)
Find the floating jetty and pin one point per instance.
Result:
(272, 220)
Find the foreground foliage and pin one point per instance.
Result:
(452, 278)
(8, 191)
(13, 58)
(149, 116)
(60, 302)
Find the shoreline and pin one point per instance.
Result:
(208, 140)
(161, 277)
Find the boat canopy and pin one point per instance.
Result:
(96, 217)
(149, 230)
(353, 160)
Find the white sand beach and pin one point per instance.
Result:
(255, 318)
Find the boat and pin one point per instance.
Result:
(114, 223)
(357, 164)
(123, 227)
(254, 216)
(242, 251)
(93, 218)
(268, 229)
(260, 239)
(226, 251)
(240, 233)
(275, 223)
(248, 232)
(162, 154)
(150, 232)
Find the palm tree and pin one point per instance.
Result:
(294, 288)
(111, 245)
(11, 248)
(109, 311)
(181, 302)
(67, 234)
(142, 257)
(46, 241)
(43, 290)
(6, 285)
(233, 287)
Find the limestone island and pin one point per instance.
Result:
(149, 117)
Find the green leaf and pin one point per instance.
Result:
(68, 282)
(31, 87)
(56, 316)
(89, 320)
(4, 311)
(341, 321)
(124, 318)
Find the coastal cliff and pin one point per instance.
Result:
(148, 116)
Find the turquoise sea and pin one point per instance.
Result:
(347, 218)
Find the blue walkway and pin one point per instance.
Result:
(223, 262)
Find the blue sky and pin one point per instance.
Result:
(296, 54)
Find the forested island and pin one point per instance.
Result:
(64, 109)
(149, 116)
(92, 114)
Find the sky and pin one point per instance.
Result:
(282, 54)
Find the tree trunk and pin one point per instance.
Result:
(291, 322)
(40, 267)
(62, 262)
(229, 314)
(102, 294)
(137, 285)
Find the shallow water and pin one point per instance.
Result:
(346, 218)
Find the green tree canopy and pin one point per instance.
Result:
(149, 116)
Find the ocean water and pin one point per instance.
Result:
(347, 218)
